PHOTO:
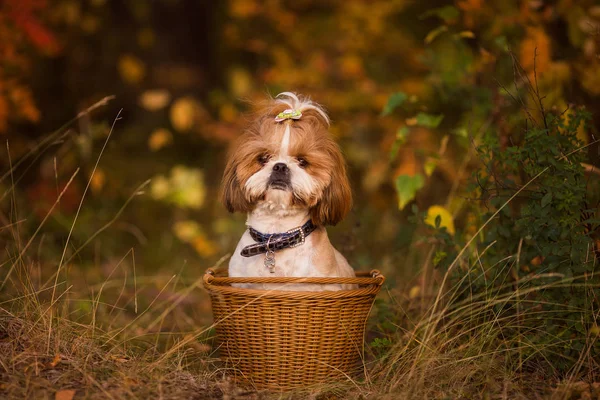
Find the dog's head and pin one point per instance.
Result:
(289, 160)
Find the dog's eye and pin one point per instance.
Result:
(302, 162)
(263, 159)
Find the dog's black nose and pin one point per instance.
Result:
(280, 167)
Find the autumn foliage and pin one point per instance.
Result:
(419, 93)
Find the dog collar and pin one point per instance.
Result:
(271, 242)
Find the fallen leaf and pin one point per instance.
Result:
(55, 361)
(119, 358)
(65, 394)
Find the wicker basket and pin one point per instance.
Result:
(276, 339)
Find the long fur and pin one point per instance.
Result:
(319, 187)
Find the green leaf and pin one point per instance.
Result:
(435, 33)
(395, 100)
(447, 13)
(401, 135)
(438, 257)
(429, 120)
(430, 165)
(546, 199)
(407, 187)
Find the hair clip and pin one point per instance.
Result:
(288, 114)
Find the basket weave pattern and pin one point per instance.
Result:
(280, 339)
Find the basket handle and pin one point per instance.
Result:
(210, 277)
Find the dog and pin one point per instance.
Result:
(288, 174)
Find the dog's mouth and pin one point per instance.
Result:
(279, 184)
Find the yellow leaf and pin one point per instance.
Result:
(190, 232)
(590, 78)
(186, 231)
(537, 260)
(119, 358)
(228, 113)
(204, 247)
(351, 66)
(188, 186)
(89, 24)
(183, 114)
(154, 100)
(131, 69)
(146, 38)
(445, 216)
(55, 361)
(160, 187)
(98, 180)
(467, 34)
(535, 51)
(414, 292)
(581, 133)
(408, 165)
(22, 98)
(240, 82)
(243, 8)
(64, 394)
(159, 138)
(470, 5)
(430, 165)
(411, 121)
(435, 33)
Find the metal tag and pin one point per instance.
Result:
(270, 261)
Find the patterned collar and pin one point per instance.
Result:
(277, 241)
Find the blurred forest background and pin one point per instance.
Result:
(413, 89)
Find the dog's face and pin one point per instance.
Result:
(291, 163)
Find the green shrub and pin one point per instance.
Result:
(536, 257)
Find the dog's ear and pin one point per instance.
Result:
(232, 196)
(336, 201)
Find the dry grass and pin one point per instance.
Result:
(126, 336)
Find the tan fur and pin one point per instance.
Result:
(310, 139)
(319, 191)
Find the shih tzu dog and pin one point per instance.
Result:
(289, 176)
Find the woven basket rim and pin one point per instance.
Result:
(369, 283)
